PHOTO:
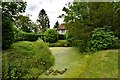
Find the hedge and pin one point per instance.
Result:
(62, 37)
(7, 34)
(23, 36)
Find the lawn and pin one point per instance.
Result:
(102, 64)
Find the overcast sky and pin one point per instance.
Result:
(53, 9)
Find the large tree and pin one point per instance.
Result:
(82, 17)
(10, 12)
(25, 24)
(43, 20)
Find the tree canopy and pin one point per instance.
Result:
(43, 20)
(10, 12)
(81, 18)
(25, 24)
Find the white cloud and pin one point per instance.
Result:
(53, 9)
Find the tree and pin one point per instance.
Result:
(56, 25)
(81, 18)
(10, 11)
(43, 20)
(25, 24)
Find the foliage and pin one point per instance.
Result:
(102, 39)
(10, 10)
(23, 36)
(7, 34)
(72, 41)
(78, 25)
(25, 24)
(51, 36)
(62, 36)
(56, 25)
(26, 60)
(43, 20)
(82, 17)
(60, 43)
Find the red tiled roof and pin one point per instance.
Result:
(62, 26)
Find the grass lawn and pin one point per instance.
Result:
(102, 64)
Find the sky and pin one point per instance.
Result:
(53, 9)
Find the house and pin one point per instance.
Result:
(61, 29)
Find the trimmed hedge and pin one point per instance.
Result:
(60, 43)
(23, 36)
(62, 37)
(26, 60)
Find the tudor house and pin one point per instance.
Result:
(61, 29)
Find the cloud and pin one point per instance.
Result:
(53, 9)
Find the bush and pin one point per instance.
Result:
(62, 37)
(70, 39)
(51, 36)
(23, 36)
(102, 39)
(26, 60)
(7, 34)
(60, 43)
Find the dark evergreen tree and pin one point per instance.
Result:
(56, 25)
(43, 20)
(10, 12)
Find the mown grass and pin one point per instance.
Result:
(26, 60)
(102, 64)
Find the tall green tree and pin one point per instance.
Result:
(43, 20)
(25, 24)
(10, 12)
(56, 25)
(82, 17)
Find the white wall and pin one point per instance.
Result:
(62, 31)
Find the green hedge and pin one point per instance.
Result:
(26, 60)
(60, 43)
(7, 33)
(62, 37)
(23, 36)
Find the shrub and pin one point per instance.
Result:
(70, 39)
(51, 36)
(60, 43)
(7, 34)
(102, 39)
(26, 60)
(23, 36)
(62, 37)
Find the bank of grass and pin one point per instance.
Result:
(101, 64)
(26, 60)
